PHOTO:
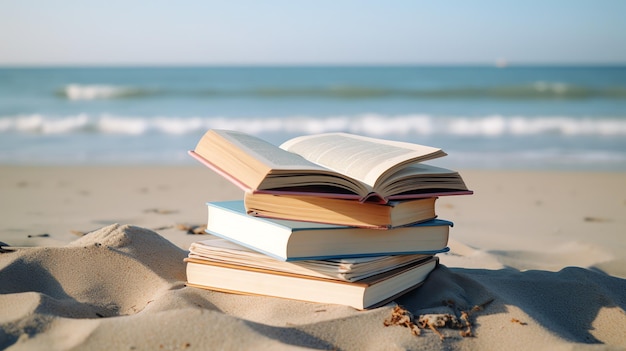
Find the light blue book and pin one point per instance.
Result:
(295, 240)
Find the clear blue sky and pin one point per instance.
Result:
(155, 32)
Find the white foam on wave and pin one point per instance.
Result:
(402, 124)
(370, 124)
(554, 87)
(41, 124)
(501, 126)
(128, 125)
(96, 91)
(566, 126)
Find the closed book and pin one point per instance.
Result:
(347, 269)
(369, 292)
(296, 240)
(340, 211)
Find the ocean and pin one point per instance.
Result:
(539, 118)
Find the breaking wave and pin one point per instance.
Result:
(99, 92)
(539, 90)
(370, 124)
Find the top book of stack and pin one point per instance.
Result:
(333, 165)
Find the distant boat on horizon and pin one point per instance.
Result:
(501, 63)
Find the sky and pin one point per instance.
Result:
(275, 32)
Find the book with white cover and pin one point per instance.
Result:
(295, 240)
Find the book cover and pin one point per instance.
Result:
(367, 293)
(296, 240)
(340, 211)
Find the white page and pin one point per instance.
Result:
(362, 158)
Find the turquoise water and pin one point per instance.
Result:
(484, 117)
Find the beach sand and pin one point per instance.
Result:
(538, 259)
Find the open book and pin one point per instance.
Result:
(336, 165)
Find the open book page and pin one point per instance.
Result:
(362, 158)
(429, 177)
(269, 154)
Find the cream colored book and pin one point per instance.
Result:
(366, 293)
(332, 165)
(347, 269)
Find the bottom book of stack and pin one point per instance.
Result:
(362, 282)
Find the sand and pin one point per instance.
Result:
(541, 255)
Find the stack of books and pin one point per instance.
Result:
(328, 218)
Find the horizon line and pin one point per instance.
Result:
(304, 65)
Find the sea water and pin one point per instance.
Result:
(535, 117)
